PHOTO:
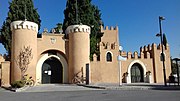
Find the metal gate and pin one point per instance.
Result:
(52, 71)
(137, 73)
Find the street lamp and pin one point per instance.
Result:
(162, 54)
(177, 59)
(120, 58)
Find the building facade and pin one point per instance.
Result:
(53, 59)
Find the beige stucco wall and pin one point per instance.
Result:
(24, 34)
(146, 64)
(149, 59)
(103, 71)
(79, 50)
(5, 76)
(159, 66)
(1, 60)
(50, 41)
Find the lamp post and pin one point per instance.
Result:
(162, 54)
(119, 69)
(177, 59)
(120, 58)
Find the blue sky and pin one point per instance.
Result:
(137, 20)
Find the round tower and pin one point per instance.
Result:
(79, 50)
(23, 49)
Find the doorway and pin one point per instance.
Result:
(52, 71)
(137, 73)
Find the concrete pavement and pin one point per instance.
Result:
(100, 86)
(93, 95)
(50, 88)
(56, 87)
(133, 86)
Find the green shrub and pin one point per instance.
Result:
(18, 84)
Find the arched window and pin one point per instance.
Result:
(109, 57)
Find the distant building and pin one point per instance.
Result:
(54, 59)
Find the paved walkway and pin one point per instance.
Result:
(54, 87)
(134, 86)
(101, 86)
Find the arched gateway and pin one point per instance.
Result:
(51, 68)
(137, 73)
(52, 71)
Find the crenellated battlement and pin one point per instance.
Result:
(107, 28)
(135, 55)
(24, 25)
(153, 47)
(78, 28)
(146, 48)
(145, 52)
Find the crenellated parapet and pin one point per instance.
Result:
(107, 28)
(166, 47)
(123, 53)
(153, 47)
(146, 52)
(129, 55)
(135, 55)
(24, 25)
(146, 48)
(78, 28)
(141, 55)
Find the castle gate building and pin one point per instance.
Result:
(53, 59)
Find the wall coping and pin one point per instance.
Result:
(24, 25)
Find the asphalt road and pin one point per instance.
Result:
(93, 95)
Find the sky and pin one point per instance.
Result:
(137, 20)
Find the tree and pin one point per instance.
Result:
(23, 59)
(18, 10)
(164, 40)
(58, 28)
(88, 14)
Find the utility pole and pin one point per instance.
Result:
(162, 54)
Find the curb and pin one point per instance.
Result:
(128, 88)
(16, 89)
(91, 86)
(132, 87)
